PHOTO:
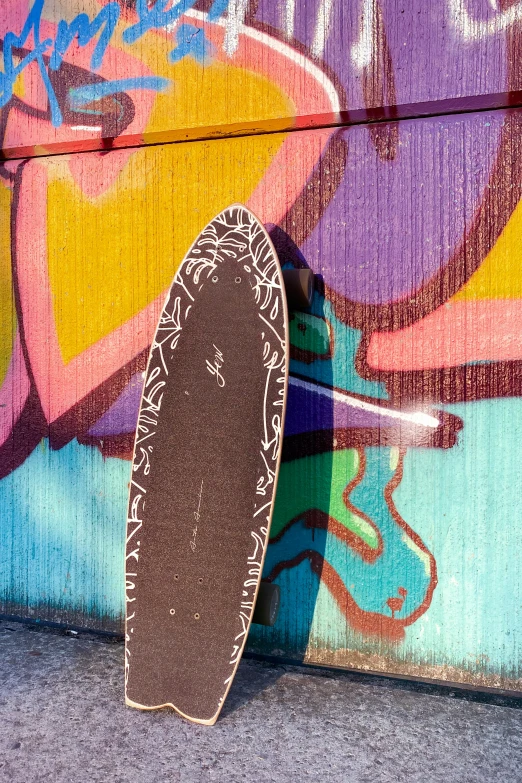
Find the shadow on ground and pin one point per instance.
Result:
(62, 718)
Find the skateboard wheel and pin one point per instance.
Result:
(299, 287)
(267, 604)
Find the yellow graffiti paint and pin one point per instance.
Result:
(7, 304)
(19, 86)
(196, 97)
(394, 458)
(500, 275)
(111, 255)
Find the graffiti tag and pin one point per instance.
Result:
(49, 52)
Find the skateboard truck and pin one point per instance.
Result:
(267, 604)
(299, 288)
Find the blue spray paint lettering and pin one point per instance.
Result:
(190, 40)
(11, 72)
(86, 30)
(105, 21)
(154, 17)
(218, 9)
(87, 93)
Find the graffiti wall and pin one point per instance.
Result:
(381, 148)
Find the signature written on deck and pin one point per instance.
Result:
(197, 517)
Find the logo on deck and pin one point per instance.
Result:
(214, 367)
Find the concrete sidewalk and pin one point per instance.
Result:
(62, 718)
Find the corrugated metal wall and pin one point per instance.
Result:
(395, 538)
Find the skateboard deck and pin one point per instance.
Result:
(204, 472)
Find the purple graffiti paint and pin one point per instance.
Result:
(122, 416)
(389, 217)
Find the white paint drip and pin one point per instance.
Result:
(419, 418)
(469, 29)
(322, 27)
(362, 51)
(234, 22)
(289, 18)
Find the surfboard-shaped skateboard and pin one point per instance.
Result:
(205, 467)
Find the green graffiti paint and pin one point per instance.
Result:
(307, 483)
(311, 334)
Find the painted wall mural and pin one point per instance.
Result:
(394, 537)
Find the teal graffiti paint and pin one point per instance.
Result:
(62, 534)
